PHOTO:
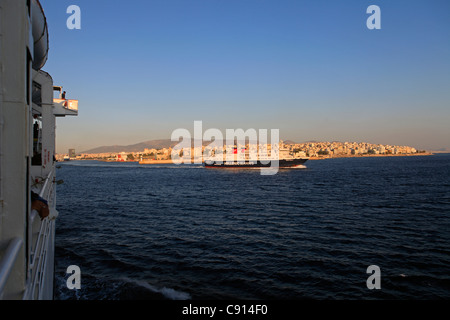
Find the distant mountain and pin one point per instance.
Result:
(441, 150)
(151, 144)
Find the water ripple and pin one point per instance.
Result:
(172, 232)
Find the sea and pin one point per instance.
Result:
(185, 232)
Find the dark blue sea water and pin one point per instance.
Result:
(186, 232)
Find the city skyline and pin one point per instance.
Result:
(313, 70)
(156, 146)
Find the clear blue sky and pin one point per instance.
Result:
(312, 69)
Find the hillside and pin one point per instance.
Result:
(151, 144)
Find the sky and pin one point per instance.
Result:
(312, 69)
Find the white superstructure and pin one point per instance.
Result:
(27, 152)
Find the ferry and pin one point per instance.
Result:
(28, 112)
(243, 158)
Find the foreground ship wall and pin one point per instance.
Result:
(15, 118)
(27, 149)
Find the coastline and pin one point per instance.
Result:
(372, 155)
(155, 162)
(312, 158)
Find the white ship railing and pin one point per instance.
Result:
(38, 262)
(40, 273)
(47, 188)
(41, 235)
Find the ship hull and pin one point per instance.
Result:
(283, 163)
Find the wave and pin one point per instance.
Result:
(163, 166)
(169, 293)
(134, 165)
(169, 166)
(95, 288)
